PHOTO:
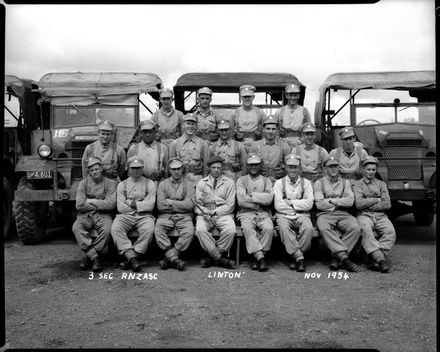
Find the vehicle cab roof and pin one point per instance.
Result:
(381, 80)
(231, 81)
(94, 84)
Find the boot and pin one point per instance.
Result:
(96, 265)
(86, 263)
(261, 264)
(300, 267)
(135, 265)
(226, 263)
(179, 264)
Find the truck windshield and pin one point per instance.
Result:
(74, 116)
(422, 113)
(375, 106)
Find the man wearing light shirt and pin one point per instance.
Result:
(136, 197)
(254, 196)
(339, 229)
(206, 116)
(215, 203)
(293, 200)
(371, 199)
(175, 197)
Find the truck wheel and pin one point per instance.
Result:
(7, 208)
(30, 217)
(424, 216)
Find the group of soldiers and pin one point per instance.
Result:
(250, 167)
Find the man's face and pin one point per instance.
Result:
(309, 138)
(332, 170)
(215, 169)
(254, 169)
(292, 98)
(204, 100)
(176, 172)
(370, 170)
(136, 172)
(190, 127)
(292, 171)
(270, 131)
(348, 143)
(105, 136)
(224, 133)
(148, 135)
(247, 100)
(166, 102)
(95, 172)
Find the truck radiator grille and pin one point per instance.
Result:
(77, 148)
(408, 169)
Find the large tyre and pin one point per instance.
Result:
(7, 208)
(424, 215)
(30, 217)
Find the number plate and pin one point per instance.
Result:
(39, 174)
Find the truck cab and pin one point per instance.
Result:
(393, 115)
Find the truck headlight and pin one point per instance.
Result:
(44, 150)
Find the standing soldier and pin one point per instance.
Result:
(192, 150)
(254, 196)
(167, 118)
(154, 154)
(207, 118)
(112, 154)
(271, 149)
(95, 200)
(232, 152)
(339, 229)
(136, 197)
(175, 197)
(371, 198)
(350, 155)
(293, 198)
(312, 156)
(247, 118)
(292, 116)
(215, 202)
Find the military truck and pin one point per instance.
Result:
(72, 105)
(20, 107)
(269, 94)
(393, 115)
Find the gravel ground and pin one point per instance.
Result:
(49, 303)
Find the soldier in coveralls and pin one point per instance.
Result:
(272, 150)
(292, 116)
(136, 197)
(167, 118)
(247, 118)
(112, 154)
(207, 118)
(339, 229)
(95, 200)
(293, 198)
(312, 156)
(371, 198)
(232, 152)
(215, 203)
(175, 197)
(192, 150)
(153, 153)
(254, 196)
(350, 155)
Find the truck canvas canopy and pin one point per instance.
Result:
(84, 88)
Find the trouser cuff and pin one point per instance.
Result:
(341, 255)
(129, 253)
(259, 255)
(377, 256)
(91, 252)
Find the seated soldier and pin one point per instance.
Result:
(339, 229)
(215, 202)
(254, 196)
(293, 198)
(95, 199)
(175, 197)
(136, 197)
(371, 199)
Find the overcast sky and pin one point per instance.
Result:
(309, 41)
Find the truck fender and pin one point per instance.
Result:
(31, 163)
(429, 173)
